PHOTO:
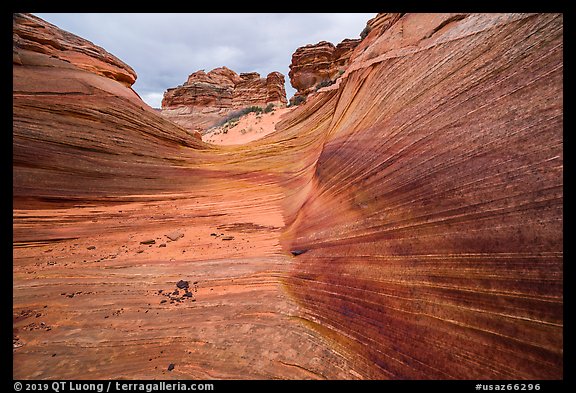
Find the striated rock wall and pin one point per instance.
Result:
(404, 223)
(431, 219)
(206, 98)
(79, 132)
(31, 33)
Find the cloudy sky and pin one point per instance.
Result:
(165, 48)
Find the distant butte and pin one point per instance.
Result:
(206, 98)
(405, 221)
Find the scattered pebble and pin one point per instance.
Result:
(171, 367)
(175, 235)
(182, 284)
(17, 342)
(162, 245)
(228, 238)
(91, 247)
(149, 241)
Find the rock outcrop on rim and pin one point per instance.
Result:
(34, 35)
(318, 65)
(206, 98)
(405, 222)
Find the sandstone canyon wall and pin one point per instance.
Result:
(404, 223)
(79, 130)
(206, 98)
(432, 216)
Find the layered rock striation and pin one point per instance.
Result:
(79, 131)
(206, 98)
(405, 223)
(432, 215)
(32, 34)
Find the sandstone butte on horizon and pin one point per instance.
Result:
(404, 222)
(206, 98)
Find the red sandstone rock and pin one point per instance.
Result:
(433, 213)
(34, 34)
(207, 98)
(319, 63)
(379, 24)
(82, 117)
(425, 188)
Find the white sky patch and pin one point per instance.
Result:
(153, 99)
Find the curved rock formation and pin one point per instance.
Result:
(405, 223)
(34, 34)
(206, 98)
(432, 217)
(319, 64)
(96, 136)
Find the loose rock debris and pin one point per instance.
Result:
(182, 293)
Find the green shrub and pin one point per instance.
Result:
(249, 109)
(236, 115)
(365, 32)
(297, 100)
(324, 83)
(269, 108)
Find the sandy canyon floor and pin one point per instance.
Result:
(249, 128)
(98, 303)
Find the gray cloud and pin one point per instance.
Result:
(165, 48)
